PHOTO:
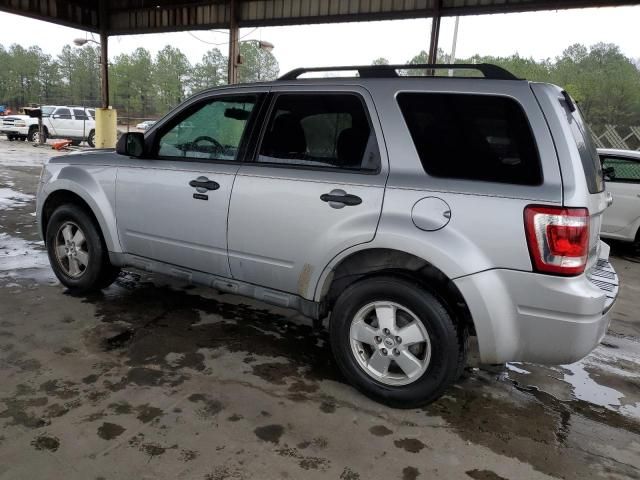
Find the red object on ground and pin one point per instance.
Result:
(61, 144)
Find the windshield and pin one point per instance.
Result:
(46, 111)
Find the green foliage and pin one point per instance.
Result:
(139, 85)
(600, 78)
(210, 72)
(380, 61)
(258, 65)
(604, 82)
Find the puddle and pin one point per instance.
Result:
(606, 378)
(19, 254)
(10, 199)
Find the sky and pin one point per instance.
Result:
(539, 35)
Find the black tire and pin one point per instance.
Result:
(98, 273)
(446, 342)
(76, 143)
(11, 138)
(23, 138)
(91, 139)
(34, 135)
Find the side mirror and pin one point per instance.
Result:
(131, 144)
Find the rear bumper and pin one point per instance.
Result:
(530, 317)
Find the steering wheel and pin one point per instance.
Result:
(205, 138)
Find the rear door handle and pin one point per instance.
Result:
(203, 184)
(340, 198)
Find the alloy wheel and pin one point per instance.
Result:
(71, 250)
(390, 343)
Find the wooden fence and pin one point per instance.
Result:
(614, 136)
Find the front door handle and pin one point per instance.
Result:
(340, 198)
(202, 184)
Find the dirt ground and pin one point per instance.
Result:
(155, 379)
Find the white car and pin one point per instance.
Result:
(146, 125)
(621, 220)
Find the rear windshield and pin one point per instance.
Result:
(475, 137)
(588, 153)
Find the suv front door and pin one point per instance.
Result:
(313, 188)
(173, 207)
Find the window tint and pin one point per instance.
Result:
(475, 137)
(621, 170)
(320, 130)
(46, 111)
(80, 114)
(213, 131)
(63, 113)
(92, 113)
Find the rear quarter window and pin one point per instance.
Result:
(474, 137)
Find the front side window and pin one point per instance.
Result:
(326, 130)
(474, 137)
(618, 169)
(212, 131)
(63, 113)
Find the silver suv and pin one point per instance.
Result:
(411, 212)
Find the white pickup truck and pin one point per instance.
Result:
(75, 123)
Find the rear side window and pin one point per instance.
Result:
(618, 169)
(80, 114)
(63, 113)
(321, 130)
(474, 137)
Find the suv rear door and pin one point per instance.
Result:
(313, 187)
(61, 123)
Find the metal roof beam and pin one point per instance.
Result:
(149, 16)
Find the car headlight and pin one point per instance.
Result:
(19, 123)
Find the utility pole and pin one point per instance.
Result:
(234, 46)
(435, 33)
(452, 59)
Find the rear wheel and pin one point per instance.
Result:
(395, 341)
(77, 252)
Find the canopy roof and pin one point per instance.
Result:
(120, 17)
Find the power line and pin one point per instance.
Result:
(223, 43)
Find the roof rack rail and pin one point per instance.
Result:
(489, 71)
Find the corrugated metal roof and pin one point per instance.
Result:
(144, 16)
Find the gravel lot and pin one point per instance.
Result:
(157, 379)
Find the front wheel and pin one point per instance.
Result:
(91, 139)
(76, 251)
(34, 135)
(395, 341)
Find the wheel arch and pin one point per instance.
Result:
(377, 261)
(70, 193)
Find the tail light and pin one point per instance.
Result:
(558, 239)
